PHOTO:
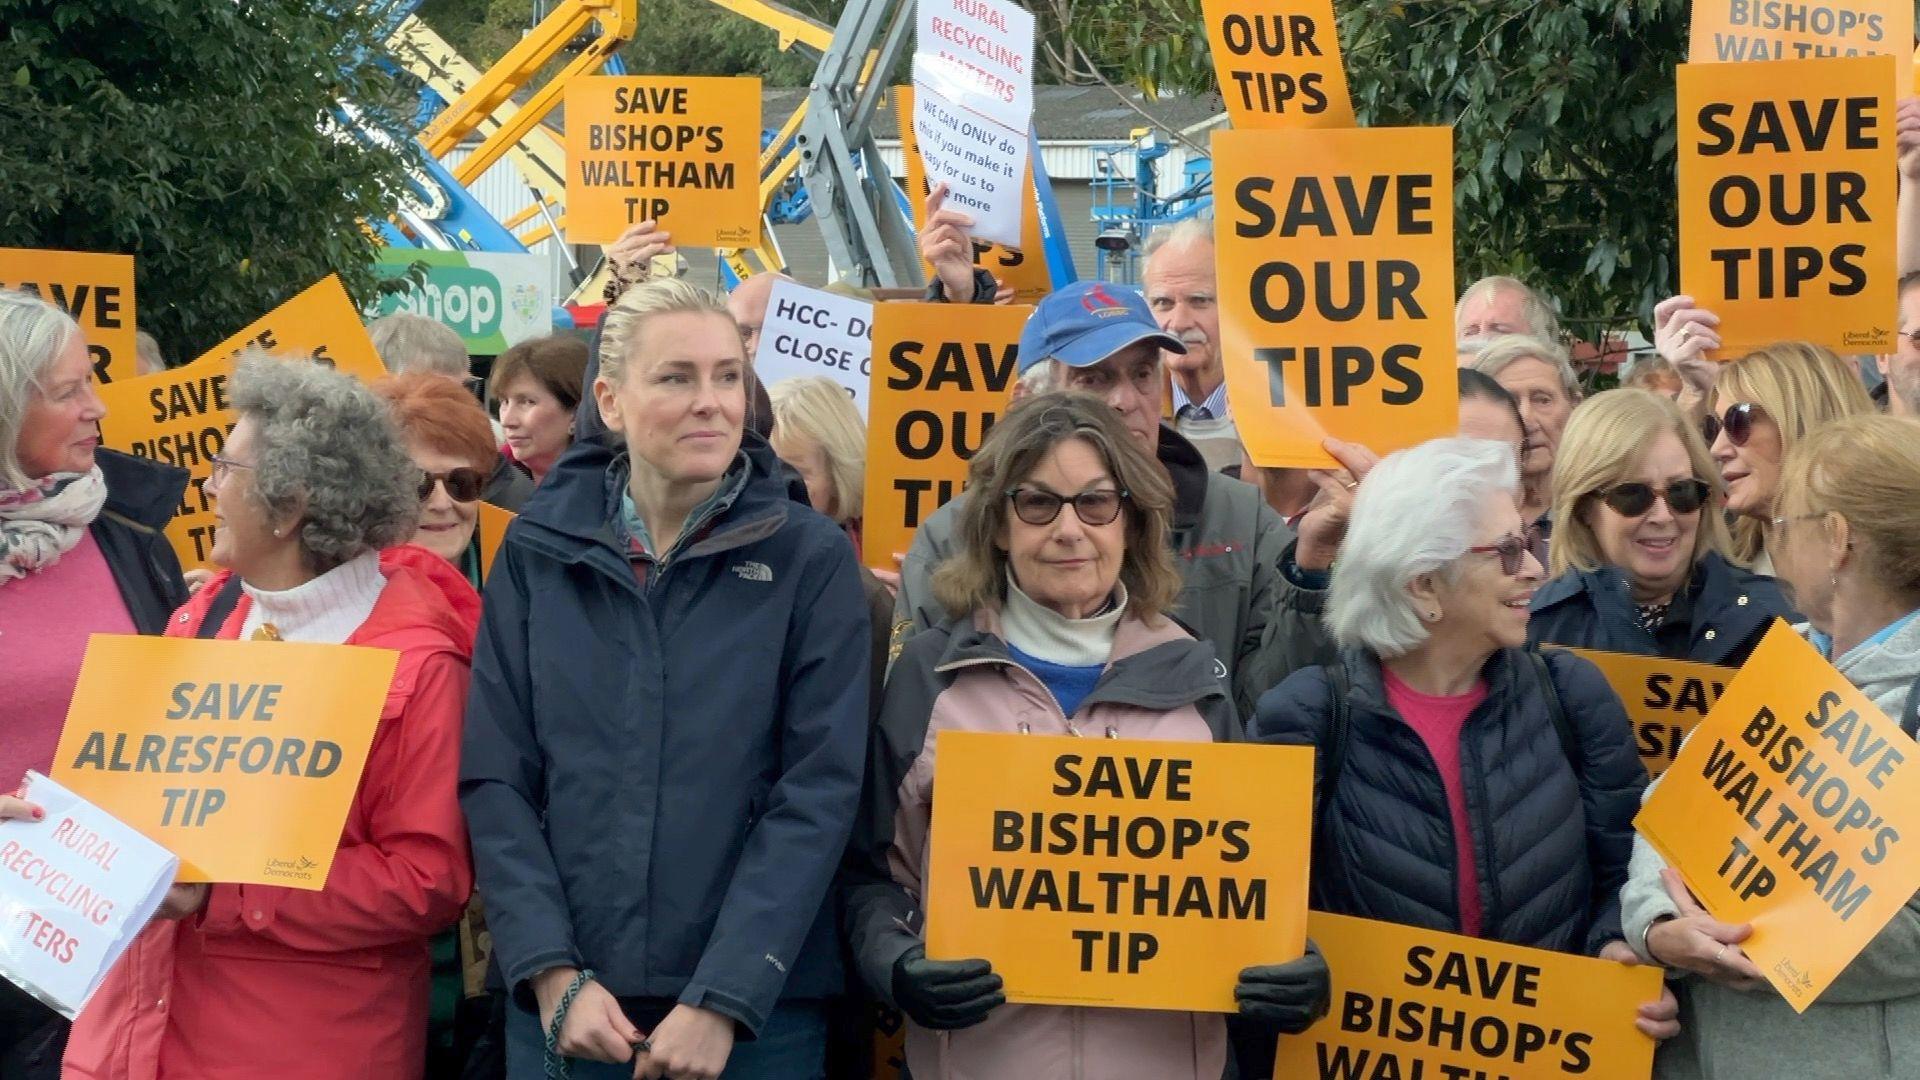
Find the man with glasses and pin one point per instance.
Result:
(1102, 339)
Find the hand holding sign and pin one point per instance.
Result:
(946, 246)
(1696, 941)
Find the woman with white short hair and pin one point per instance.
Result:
(1465, 783)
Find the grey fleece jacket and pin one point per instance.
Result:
(1866, 1026)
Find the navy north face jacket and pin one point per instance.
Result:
(660, 778)
(1552, 825)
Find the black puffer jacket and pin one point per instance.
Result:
(1551, 847)
(1717, 619)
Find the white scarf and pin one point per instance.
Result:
(47, 520)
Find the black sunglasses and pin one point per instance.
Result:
(1511, 549)
(1737, 423)
(463, 485)
(1635, 499)
(1037, 507)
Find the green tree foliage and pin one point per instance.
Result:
(675, 37)
(194, 135)
(1563, 116)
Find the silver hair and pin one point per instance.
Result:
(1193, 230)
(1417, 513)
(1509, 348)
(32, 334)
(1541, 321)
(147, 357)
(328, 441)
(407, 342)
(1037, 379)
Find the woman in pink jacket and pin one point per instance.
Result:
(1059, 589)
(248, 981)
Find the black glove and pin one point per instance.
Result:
(1286, 998)
(945, 995)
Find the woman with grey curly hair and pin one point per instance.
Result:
(313, 483)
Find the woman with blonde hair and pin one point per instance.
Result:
(1057, 591)
(817, 430)
(1845, 533)
(1762, 404)
(1640, 563)
(664, 742)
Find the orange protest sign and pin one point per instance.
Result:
(1412, 1003)
(1279, 63)
(96, 289)
(941, 374)
(1787, 194)
(1789, 809)
(682, 151)
(1728, 31)
(240, 757)
(1665, 699)
(1118, 872)
(491, 528)
(182, 416)
(1024, 270)
(1335, 250)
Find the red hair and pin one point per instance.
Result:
(437, 412)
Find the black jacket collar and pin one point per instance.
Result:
(1188, 470)
(141, 490)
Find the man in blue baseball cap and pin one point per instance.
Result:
(1101, 339)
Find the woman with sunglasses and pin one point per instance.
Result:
(1846, 541)
(449, 440)
(1762, 405)
(1466, 783)
(313, 493)
(1640, 564)
(1057, 591)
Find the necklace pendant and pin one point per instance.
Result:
(267, 632)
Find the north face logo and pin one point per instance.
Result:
(753, 571)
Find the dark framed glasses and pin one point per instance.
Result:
(1036, 506)
(1511, 549)
(463, 485)
(1635, 499)
(1737, 422)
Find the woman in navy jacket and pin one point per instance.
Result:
(667, 729)
(1640, 562)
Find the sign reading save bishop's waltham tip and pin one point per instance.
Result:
(1118, 872)
(942, 373)
(241, 757)
(1336, 307)
(1794, 807)
(1411, 1003)
(684, 152)
(1743, 31)
(1665, 699)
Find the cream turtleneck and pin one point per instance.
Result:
(1044, 633)
(326, 610)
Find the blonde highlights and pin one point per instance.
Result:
(816, 407)
(1866, 469)
(1603, 443)
(620, 331)
(1800, 387)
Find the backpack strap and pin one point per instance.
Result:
(220, 609)
(1333, 751)
(1569, 739)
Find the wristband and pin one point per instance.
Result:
(558, 1067)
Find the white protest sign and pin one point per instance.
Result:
(75, 888)
(972, 107)
(811, 332)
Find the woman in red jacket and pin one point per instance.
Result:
(249, 980)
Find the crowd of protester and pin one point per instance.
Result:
(655, 801)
